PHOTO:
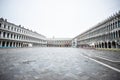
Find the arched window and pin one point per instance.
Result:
(11, 35)
(119, 33)
(8, 35)
(5, 26)
(3, 44)
(14, 29)
(7, 44)
(119, 23)
(0, 24)
(11, 28)
(8, 27)
(4, 34)
(10, 44)
(0, 33)
(116, 25)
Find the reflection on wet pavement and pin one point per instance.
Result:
(51, 64)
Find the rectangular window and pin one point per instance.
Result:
(4, 34)
(14, 29)
(115, 24)
(8, 35)
(0, 33)
(119, 23)
(4, 26)
(0, 24)
(8, 27)
(11, 28)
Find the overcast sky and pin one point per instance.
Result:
(58, 18)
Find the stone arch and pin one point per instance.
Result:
(119, 33)
(14, 44)
(109, 44)
(102, 45)
(97, 45)
(113, 44)
(0, 33)
(105, 44)
(8, 35)
(4, 33)
(7, 44)
(3, 44)
(10, 44)
(116, 34)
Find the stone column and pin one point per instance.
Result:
(1, 34)
(15, 44)
(9, 35)
(117, 24)
(5, 44)
(12, 36)
(12, 44)
(117, 46)
(2, 25)
(9, 44)
(5, 35)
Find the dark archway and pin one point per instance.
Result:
(102, 45)
(10, 44)
(119, 33)
(14, 44)
(7, 44)
(3, 44)
(116, 34)
(105, 44)
(109, 44)
(113, 44)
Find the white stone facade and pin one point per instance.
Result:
(12, 35)
(59, 42)
(104, 35)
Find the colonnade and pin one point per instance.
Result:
(59, 42)
(104, 35)
(112, 44)
(12, 35)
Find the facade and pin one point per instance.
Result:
(12, 35)
(59, 42)
(104, 35)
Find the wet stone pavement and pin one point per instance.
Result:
(53, 64)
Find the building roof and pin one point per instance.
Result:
(59, 38)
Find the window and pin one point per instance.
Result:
(0, 24)
(14, 29)
(11, 28)
(14, 36)
(0, 33)
(8, 35)
(3, 44)
(115, 24)
(8, 27)
(20, 30)
(11, 35)
(119, 23)
(4, 26)
(119, 33)
(4, 34)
